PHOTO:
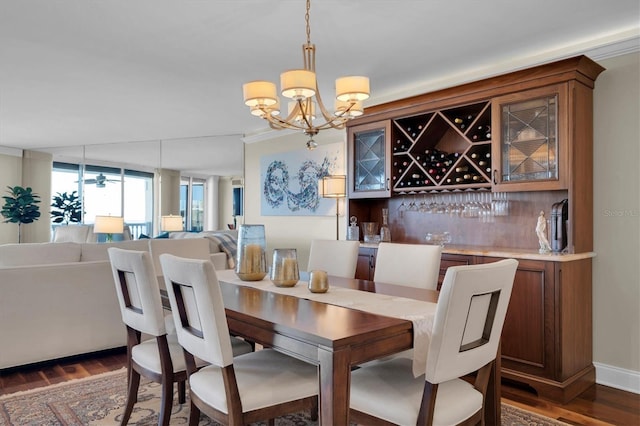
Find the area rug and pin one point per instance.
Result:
(100, 399)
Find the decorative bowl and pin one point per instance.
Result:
(436, 238)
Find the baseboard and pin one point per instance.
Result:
(616, 377)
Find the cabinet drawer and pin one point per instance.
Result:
(448, 260)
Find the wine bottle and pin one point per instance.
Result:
(462, 169)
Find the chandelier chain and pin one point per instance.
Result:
(306, 18)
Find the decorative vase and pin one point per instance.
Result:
(251, 264)
(284, 270)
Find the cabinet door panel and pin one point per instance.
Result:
(365, 266)
(530, 148)
(448, 260)
(369, 160)
(528, 332)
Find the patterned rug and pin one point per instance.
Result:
(99, 400)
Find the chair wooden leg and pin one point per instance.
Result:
(132, 395)
(182, 393)
(167, 401)
(194, 415)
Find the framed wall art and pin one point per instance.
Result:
(289, 181)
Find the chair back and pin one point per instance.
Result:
(412, 265)
(198, 308)
(468, 322)
(137, 289)
(337, 257)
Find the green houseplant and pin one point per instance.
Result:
(21, 206)
(67, 208)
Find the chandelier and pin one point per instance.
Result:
(301, 87)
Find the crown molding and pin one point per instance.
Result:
(14, 152)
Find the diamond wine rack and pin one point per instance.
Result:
(442, 150)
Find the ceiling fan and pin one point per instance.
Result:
(100, 181)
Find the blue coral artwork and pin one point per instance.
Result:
(290, 181)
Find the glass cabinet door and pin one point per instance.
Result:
(529, 140)
(369, 160)
(530, 148)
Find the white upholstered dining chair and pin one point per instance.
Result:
(468, 323)
(412, 265)
(160, 358)
(234, 391)
(336, 257)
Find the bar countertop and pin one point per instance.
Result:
(507, 253)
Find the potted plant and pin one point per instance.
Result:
(67, 208)
(21, 206)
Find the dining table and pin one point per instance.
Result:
(314, 328)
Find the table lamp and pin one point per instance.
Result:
(334, 186)
(171, 223)
(109, 225)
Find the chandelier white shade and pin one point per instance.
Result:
(301, 86)
(352, 89)
(259, 93)
(298, 84)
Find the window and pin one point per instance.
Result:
(192, 202)
(109, 191)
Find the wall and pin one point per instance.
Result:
(26, 168)
(10, 175)
(288, 231)
(36, 173)
(616, 269)
(225, 202)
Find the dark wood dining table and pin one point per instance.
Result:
(332, 337)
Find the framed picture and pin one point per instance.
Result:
(290, 181)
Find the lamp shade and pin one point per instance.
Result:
(108, 225)
(298, 84)
(352, 88)
(261, 110)
(171, 223)
(355, 111)
(333, 186)
(259, 92)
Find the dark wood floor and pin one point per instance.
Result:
(599, 405)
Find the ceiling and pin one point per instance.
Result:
(106, 74)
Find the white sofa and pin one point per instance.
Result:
(77, 233)
(59, 300)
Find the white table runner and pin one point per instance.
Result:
(419, 312)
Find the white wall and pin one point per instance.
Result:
(10, 175)
(288, 231)
(616, 269)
